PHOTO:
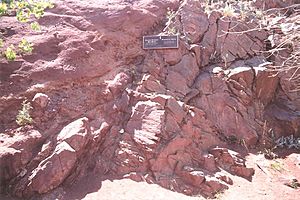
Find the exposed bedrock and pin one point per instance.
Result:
(102, 104)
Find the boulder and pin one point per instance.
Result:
(145, 124)
(76, 134)
(52, 171)
(191, 176)
(40, 100)
(16, 152)
(232, 162)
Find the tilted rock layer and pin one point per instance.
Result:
(102, 104)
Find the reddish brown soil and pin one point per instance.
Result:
(268, 183)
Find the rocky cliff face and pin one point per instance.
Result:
(102, 104)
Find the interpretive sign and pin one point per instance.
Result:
(160, 42)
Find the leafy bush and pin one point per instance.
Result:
(10, 53)
(25, 46)
(35, 26)
(3, 8)
(24, 11)
(23, 117)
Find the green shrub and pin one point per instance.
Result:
(25, 46)
(10, 53)
(35, 26)
(3, 8)
(1, 43)
(23, 117)
(24, 11)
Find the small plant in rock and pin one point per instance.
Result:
(288, 141)
(269, 154)
(35, 26)
(218, 195)
(228, 11)
(3, 8)
(10, 53)
(1, 43)
(277, 166)
(293, 184)
(170, 14)
(23, 117)
(170, 28)
(172, 31)
(25, 46)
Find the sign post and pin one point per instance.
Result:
(160, 42)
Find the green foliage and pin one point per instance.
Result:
(1, 43)
(35, 26)
(23, 16)
(3, 8)
(170, 28)
(25, 11)
(23, 117)
(25, 46)
(170, 14)
(277, 166)
(228, 11)
(10, 53)
(39, 7)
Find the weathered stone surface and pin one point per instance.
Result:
(187, 68)
(174, 56)
(232, 162)
(146, 123)
(265, 85)
(268, 4)
(150, 114)
(76, 134)
(193, 177)
(119, 83)
(41, 100)
(210, 163)
(226, 179)
(53, 170)
(242, 171)
(176, 109)
(151, 84)
(176, 83)
(192, 15)
(212, 186)
(16, 152)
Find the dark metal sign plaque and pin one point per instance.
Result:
(160, 42)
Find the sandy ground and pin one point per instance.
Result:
(267, 184)
(268, 181)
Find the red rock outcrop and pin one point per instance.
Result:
(102, 104)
